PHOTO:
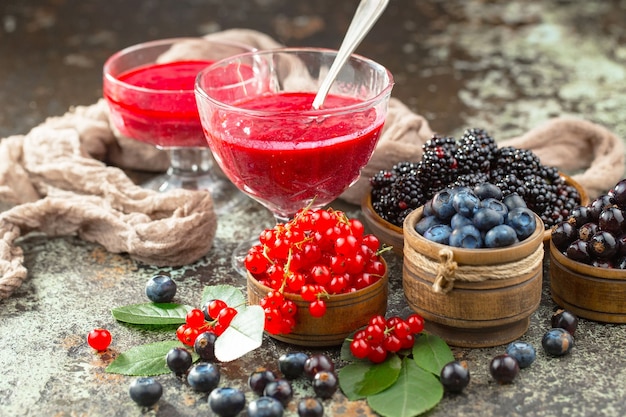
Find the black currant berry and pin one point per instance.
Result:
(259, 378)
(291, 364)
(586, 231)
(619, 193)
(565, 320)
(504, 368)
(310, 407)
(325, 384)
(603, 245)
(145, 391)
(612, 220)
(455, 376)
(578, 251)
(279, 389)
(178, 360)
(563, 234)
(204, 346)
(316, 363)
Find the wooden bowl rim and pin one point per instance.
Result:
(594, 272)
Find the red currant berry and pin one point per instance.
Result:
(416, 323)
(180, 332)
(346, 246)
(288, 308)
(375, 268)
(309, 293)
(195, 318)
(295, 281)
(320, 274)
(377, 354)
(392, 343)
(378, 321)
(357, 228)
(273, 321)
(226, 316)
(255, 261)
(371, 242)
(99, 339)
(287, 325)
(374, 334)
(408, 341)
(214, 307)
(189, 336)
(317, 308)
(337, 284)
(402, 330)
(359, 348)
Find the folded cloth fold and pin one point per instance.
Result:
(65, 177)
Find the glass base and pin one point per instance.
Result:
(226, 197)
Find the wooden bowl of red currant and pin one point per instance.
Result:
(318, 277)
(588, 259)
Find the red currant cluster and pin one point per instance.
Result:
(215, 319)
(382, 337)
(316, 254)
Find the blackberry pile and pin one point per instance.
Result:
(473, 159)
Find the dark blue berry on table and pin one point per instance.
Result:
(455, 376)
(316, 363)
(557, 342)
(265, 407)
(160, 289)
(500, 237)
(310, 407)
(203, 377)
(439, 233)
(227, 401)
(565, 320)
(524, 353)
(259, 378)
(178, 360)
(204, 346)
(468, 237)
(279, 389)
(504, 368)
(291, 364)
(325, 384)
(145, 391)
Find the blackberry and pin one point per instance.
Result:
(448, 143)
(437, 169)
(475, 151)
(519, 162)
(469, 180)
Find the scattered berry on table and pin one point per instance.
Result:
(265, 407)
(325, 384)
(99, 339)
(455, 376)
(160, 289)
(203, 377)
(227, 401)
(523, 352)
(310, 407)
(279, 389)
(471, 160)
(259, 378)
(316, 363)
(503, 368)
(145, 391)
(291, 364)
(557, 342)
(565, 320)
(178, 360)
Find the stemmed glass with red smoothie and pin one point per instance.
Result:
(267, 138)
(149, 88)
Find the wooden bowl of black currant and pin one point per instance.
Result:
(588, 259)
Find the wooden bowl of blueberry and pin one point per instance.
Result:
(588, 259)
(468, 161)
(473, 265)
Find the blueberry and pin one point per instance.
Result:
(428, 209)
(496, 205)
(459, 220)
(486, 219)
(442, 204)
(203, 377)
(500, 237)
(487, 190)
(468, 237)
(513, 201)
(259, 378)
(279, 389)
(557, 342)
(160, 289)
(325, 384)
(316, 363)
(465, 202)
(178, 360)
(310, 407)
(524, 353)
(523, 221)
(565, 320)
(425, 223)
(439, 233)
(455, 376)
(265, 407)
(204, 346)
(227, 401)
(503, 368)
(291, 364)
(145, 391)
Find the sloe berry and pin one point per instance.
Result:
(178, 360)
(524, 353)
(203, 377)
(310, 407)
(227, 401)
(160, 289)
(455, 376)
(265, 407)
(557, 342)
(145, 391)
(291, 364)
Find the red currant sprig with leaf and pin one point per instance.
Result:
(215, 319)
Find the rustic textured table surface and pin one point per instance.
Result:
(502, 65)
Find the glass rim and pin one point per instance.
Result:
(386, 91)
(160, 42)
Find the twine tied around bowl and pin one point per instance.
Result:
(447, 270)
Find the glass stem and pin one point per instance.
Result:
(190, 161)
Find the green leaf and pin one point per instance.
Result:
(227, 293)
(380, 376)
(431, 353)
(144, 360)
(415, 392)
(244, 334)
(152, 313)
(350, 377)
